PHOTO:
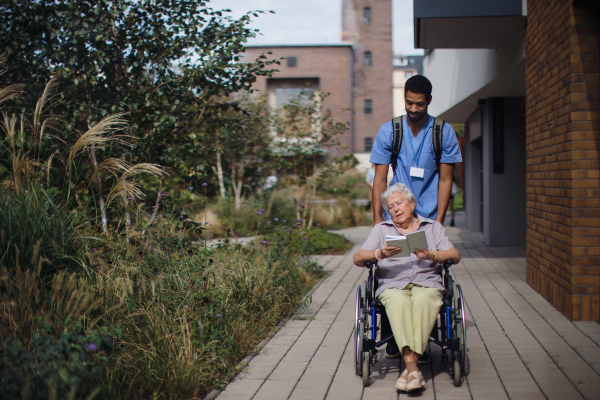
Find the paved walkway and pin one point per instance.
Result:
(518, 345)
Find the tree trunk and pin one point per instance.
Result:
(220, 176)
(312, 204)
(237, 182)
(305, 208)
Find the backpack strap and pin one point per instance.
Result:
(438, 129)
(396, 142)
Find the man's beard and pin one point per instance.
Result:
(417, 118)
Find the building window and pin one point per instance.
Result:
(292, 62)
(409, 74)
(368, 106)
(368, 58)
(367, 14)
(368, 144)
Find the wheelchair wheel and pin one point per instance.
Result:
(366, 368)
(359, 347)
(357, 336)
(459, 321)
(456, 373)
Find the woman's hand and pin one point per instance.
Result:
(389, 251)
(363, 255)
(438, 257)
(423, 254)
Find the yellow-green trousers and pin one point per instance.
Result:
(412, 312)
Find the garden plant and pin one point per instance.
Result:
(125, 126)
(130, 307)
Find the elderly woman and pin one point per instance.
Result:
(410, 288)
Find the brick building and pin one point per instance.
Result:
(563, 218)
(357, 72)
(526, 86)
(322, 68)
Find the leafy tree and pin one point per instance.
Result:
(304, 135)
(163, 62)
(242, 141)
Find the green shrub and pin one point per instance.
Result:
(188, 313)
(311, 241)
(245, 221)
(349, 184)
(69, 367)
(341, 214)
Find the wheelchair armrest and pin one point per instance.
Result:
(448, 264)
(369, 264)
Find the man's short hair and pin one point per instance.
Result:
(418, 84)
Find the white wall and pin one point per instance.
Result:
(457, 74)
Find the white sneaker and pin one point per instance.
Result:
(402, 382)
(416, 382)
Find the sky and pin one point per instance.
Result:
(314, 21)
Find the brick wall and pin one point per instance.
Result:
(331, 65)
(563, 180)
(374, 81)
(342, 72)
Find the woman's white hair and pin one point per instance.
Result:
(400, 188)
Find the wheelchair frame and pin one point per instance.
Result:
(452, 327)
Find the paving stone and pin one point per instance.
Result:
(274, 390)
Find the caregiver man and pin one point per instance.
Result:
(416, 162)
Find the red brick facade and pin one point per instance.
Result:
(371, 82)
(563, 178)
(331, 65)
(341, 70)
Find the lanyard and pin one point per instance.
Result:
(418, 155)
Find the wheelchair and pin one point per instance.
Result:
(450, 335)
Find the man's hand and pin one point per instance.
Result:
(379, 186)
(444, 191)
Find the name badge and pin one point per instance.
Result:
(417, 172)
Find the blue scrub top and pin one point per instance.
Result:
(425, 189)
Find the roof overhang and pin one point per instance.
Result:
(509, 84)
(467, 24)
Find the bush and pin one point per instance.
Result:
(350, 185)
(67, 368)
(188, 313)
(334, 214)
(312, 241)
(245, 221)
(187, 323)
(341, 214)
